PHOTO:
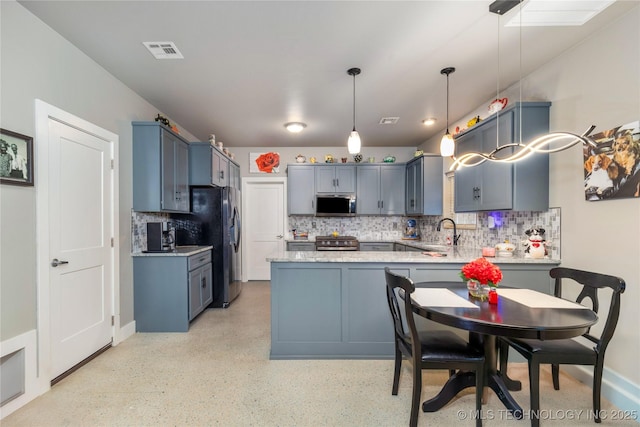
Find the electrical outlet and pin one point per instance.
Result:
(313, 224)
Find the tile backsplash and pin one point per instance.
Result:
(507, 225)
(139, 222)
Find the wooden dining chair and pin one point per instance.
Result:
(427, 349)
(569, 351)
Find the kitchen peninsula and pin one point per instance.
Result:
(328, 305)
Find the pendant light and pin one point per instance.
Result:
(353, 143)
(520, 150)
(447, 146)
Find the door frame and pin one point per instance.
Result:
(43, 113)
(253, 182)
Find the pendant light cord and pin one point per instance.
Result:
(447, 102)
(354, 101)
(520, 65)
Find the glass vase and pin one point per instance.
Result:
(478, 290)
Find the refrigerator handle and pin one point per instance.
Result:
(238, 229)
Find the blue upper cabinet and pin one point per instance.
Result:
(160, 169)
(522, 185)
(301, 189)
(423, 186)
(380, 189)
(210, 166)
(337, 179)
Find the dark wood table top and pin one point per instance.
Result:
(508, 318)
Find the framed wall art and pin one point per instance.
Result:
(16, 158)
(612, 168)
(268, 162)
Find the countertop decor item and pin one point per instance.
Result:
(505, 249)
(300, 158)
(357, 158)
(481, 275)
(389, 159)
(328, 158)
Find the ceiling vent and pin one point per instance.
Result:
(163, 50)
(389, 120)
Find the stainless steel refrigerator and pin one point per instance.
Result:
(216, 221)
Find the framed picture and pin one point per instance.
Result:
(612, 167)
(268, 162)
(16, 158)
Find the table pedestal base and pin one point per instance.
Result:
(492, 379)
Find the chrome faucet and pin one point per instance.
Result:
(456, 236)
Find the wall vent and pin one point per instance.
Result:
(389, 120)
(163, 50)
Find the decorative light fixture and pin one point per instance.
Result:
(447, 146)
(353, 143)
(520, 150)
(295, 127)
(429, 122)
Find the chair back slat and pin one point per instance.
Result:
(397, 284)
(591, 283)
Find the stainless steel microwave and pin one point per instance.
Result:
(336, 205)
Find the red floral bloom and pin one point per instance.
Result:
(483, 271)
(268, 161)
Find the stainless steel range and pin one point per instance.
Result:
(339, 243)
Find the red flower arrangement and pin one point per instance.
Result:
(483, 271)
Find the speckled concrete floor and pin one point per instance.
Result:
(219, 374)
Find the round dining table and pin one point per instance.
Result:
(486, 322)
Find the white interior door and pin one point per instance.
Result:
(263, 205)
(80, 223)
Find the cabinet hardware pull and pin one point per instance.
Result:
(204, 282)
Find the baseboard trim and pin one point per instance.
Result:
(615, 388)
(125, 332)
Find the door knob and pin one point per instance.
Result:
(279, 236)
(55, 262)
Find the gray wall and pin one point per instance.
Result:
(596, 83)
(39, 63)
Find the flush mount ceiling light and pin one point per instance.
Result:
(446, 144)
(353, 143)
(429, 122)
(519, 150)
(295, 127)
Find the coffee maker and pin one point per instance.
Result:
(160, 237)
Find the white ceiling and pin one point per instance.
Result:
(251, 66)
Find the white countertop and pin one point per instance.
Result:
(444, 255)
(179, 251)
